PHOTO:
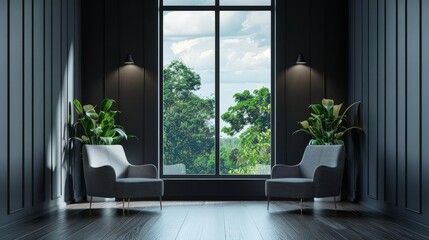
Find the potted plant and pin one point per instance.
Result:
(98, 128)
(326, 125)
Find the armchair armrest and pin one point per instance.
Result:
(327, 181)
(285, 171)
(100, 181)
(142, 171)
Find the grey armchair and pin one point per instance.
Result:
(319, 174)
(108, 174)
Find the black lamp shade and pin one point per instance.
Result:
(301, 59)
(129, 60)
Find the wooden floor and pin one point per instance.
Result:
(212, 220)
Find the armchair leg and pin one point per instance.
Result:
(301, 206)
(268, 203)
(123, 206)
(160, 203)
(335, 202)
(90, 205)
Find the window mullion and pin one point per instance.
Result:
(217, 77)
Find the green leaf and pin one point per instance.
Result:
(88, 108)
(77, 107)
(107, 140)
(106, 104)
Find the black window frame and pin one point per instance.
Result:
(217, 8)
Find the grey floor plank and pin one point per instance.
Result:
(204, 221)
(239, 223)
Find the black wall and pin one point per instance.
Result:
(114, 28)
(389, 59)
(39, 69)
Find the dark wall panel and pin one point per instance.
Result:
(56, 100)
(38, 105)
(131, 77)
(16, 143)
(151, 70)
(93, 51)
(412, 167)
(4, 123)
(381, 81)
(372, 181)
(28, 99)
(391, 95)
(364, 106)
(298, 79)
(398, 79)
(425, 103)
(34, 54)
(401, 101)
(48, 98)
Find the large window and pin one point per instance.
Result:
(216, 87)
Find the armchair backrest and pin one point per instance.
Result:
(107, 155)
(317, 155)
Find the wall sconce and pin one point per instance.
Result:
(129, 60)
(301, 60)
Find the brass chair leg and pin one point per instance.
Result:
(335, 202)
(90, 205)
(301, 206)
(160, 203)
(123, 206)
(268, 204)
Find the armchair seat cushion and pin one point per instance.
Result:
(289, 187)
(139, 187)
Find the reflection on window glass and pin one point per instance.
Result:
(188, 92)
(245, 97)
(246, 2)
(188, 2)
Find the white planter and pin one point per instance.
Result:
(100, 199)
(328, 199)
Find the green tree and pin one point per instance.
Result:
(251, 119)
(188, 131)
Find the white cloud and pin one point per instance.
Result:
(186, 45)
(241, 54)
(198, 53)
(189, 23)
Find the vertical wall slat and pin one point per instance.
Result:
(317, 50)
(381, 96)
(364, 100)
(38, 95)
(28, 102)
(4, 146)
(413, 107)
(425, 103)
(356, 95)
(372, 98)
(391, 96)
(56, 100)
(16, 143)
(111, 49)
(401, 100)
(48, 98)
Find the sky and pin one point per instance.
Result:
(245, 49)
